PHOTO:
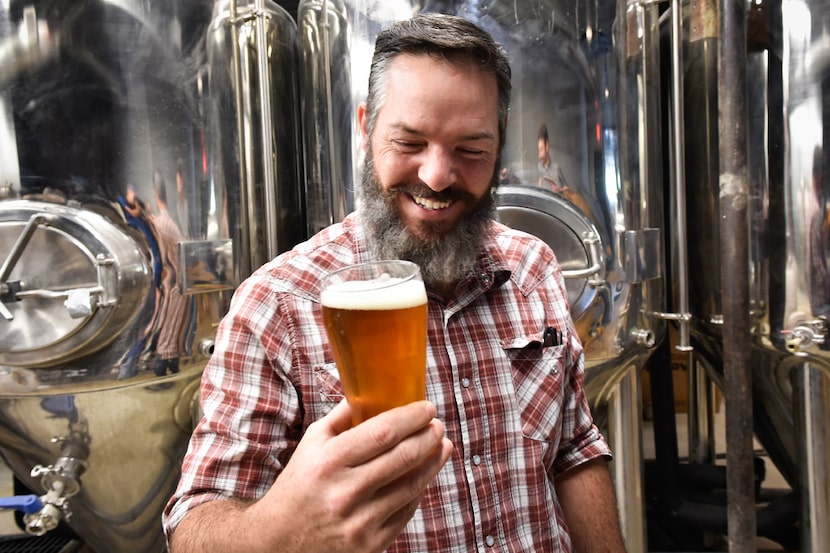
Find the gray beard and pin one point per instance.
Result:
(445, 255)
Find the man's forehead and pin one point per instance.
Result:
(404, 60)
(405, 69)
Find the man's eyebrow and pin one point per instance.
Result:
(405, 128)
(483, 135)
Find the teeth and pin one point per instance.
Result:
(429, 203)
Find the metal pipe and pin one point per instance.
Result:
(678, 132)
(701, 438)
(814, 391)
(266, 121)
(699, 95)
(247, 255)
(733, 196)
(334, 212)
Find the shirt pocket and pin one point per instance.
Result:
(538, 373)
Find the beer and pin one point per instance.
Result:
(377, 329)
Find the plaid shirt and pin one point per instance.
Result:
(512, 403)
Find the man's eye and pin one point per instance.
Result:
(407, 146)
(471, 152)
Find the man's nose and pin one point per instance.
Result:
(438, 169)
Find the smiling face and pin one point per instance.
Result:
(431, 161)
(435, 140)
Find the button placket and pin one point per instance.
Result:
(470, 401)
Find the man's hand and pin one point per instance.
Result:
(344, 490)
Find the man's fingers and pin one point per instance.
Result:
(384, 432)
(398, 492)
(423, 449)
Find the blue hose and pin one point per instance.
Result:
(29, 504)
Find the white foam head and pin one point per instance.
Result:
(381, 293)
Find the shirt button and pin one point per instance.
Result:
(490, 541)
(465, 382)
(476, 460)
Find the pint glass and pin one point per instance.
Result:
(375, 316)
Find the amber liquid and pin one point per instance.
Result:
(380, 355)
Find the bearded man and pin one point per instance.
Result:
(503, 455)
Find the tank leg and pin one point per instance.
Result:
(813, 414)
(626, 437)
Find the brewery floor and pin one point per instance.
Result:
(8, 526)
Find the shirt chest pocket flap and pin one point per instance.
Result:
(538, 371)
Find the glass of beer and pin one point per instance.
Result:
(375, 316)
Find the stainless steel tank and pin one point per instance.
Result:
(149, 159)
(788, 246)
(590, 73)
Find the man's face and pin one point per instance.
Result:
(544, 148)
(431, 159)
(435, 140)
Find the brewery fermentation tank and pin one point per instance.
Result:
(586, 78)
(788, 240)
(141, 177)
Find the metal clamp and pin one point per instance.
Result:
(61, 481)
(805, 335)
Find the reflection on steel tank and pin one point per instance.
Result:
(565, 74)
(149, 159)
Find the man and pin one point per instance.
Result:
(550, 174)
(504, 455)
(173, 307)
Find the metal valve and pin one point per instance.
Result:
(48, 517)
(60, 483)
(806, 335)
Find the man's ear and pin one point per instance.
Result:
(361, 122)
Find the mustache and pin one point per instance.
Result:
(417, 189)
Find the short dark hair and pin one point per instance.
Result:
(450, 37)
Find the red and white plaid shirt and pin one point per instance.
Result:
(513, 405)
